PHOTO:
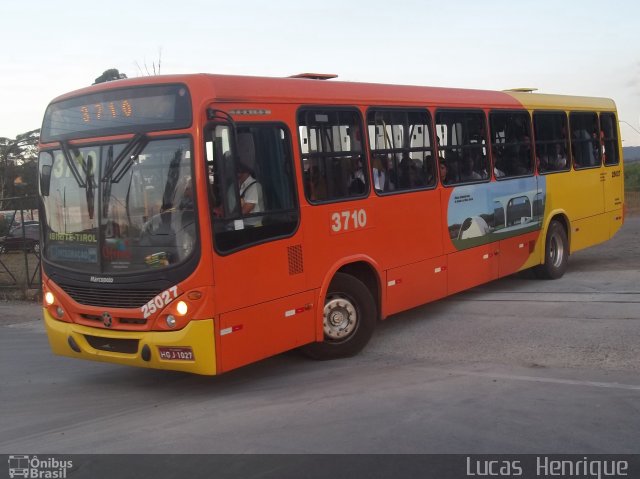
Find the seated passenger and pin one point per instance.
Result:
(559, 159)
(583, 153)
(428, 172)
(357, 183)
(541, 163)
(405, 176)
(443, 172)
(317, 184)
(468, 172)
(379, 174)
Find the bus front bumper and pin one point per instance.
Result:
(190, 349)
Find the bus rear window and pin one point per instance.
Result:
(609, 136)
(124, 110)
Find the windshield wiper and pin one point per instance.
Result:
(88, 174)
(72, 165)
(125, 158)
(106, 188)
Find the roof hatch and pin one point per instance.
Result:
(315, 76)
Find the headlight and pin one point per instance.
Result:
(182, 308)
(49, 298)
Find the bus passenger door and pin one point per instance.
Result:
(259, 271)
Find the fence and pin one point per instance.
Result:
(19, 245)
(632, 202)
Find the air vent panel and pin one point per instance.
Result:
(295, 259)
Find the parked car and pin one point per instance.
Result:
(16, 241)
(18, 226)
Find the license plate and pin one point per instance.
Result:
(176, 354)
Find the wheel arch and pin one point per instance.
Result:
(362, 267)
(561, 217)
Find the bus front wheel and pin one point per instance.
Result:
(348, 319)
(556, 253)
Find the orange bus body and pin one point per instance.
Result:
(269, 297)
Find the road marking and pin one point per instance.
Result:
(540, 379)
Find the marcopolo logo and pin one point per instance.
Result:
(100, 279)
(37, 468)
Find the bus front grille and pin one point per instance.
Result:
(115, 345)
(124, 298)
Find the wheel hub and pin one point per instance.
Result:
(556, 251)
(340, 318)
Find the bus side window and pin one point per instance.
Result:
(463, 146)
(333, 161)
(511, 143)
(402, 150)
(585, 140)
(552, 144)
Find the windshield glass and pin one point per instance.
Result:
(122, 207)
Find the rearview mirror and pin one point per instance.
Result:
(45, 179)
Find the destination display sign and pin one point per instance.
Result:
(128, 110)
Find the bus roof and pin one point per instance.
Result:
(535, 101)
(239, 89)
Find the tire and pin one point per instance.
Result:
(556, 253)
(349, 319)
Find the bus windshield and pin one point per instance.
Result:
(120, 207)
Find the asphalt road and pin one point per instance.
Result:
(516, 366)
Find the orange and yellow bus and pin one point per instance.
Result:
(203, 222)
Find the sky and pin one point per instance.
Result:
(584, 47)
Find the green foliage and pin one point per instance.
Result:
(632, 176)
(18, 169)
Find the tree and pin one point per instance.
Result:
(110, 75)
(18, 168)
(155, 68)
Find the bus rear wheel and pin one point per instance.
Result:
(348, 319)
(556, 253)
